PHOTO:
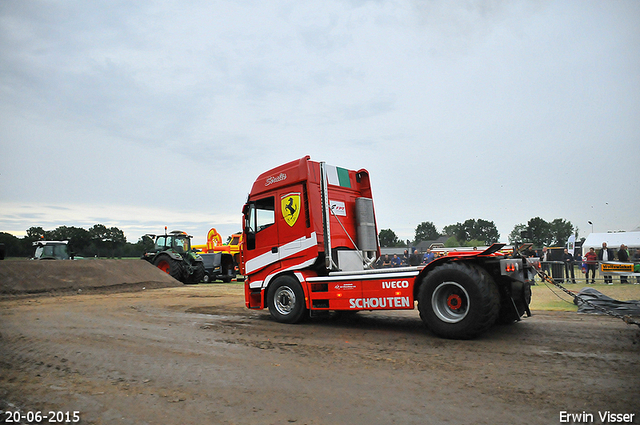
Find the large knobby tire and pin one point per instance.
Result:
(458, 301)
(198, 273)
(170, 266)
(286, 300)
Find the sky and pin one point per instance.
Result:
(147, 114)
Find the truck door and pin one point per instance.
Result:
(293, 223)
(261, 234)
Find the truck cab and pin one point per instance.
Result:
(288, 226)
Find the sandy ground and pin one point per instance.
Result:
(195, 355)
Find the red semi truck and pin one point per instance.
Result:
(310, 245)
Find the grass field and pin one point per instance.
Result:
(550, 297)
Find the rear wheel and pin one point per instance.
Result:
(286, 300)
(170, 266)
(458, 301)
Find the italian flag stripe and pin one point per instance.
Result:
(337, 176)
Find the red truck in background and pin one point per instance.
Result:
(310, 245)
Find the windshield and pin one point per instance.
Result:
(181, 244)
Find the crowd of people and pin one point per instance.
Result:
(589, 261)
(415, 259)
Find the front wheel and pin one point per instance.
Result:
(286, 300)
(458, 301)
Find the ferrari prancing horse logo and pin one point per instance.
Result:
(290, 206)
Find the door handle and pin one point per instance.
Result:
(274, 250)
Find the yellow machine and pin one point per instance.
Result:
(214, 244)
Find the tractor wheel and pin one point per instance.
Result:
(286, 300)
(458, 301)
(198, 273)
(170, 266)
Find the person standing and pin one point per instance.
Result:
(384, 262)
(591, 259)
(623, 257)
(416, 258)
(405, 258)
(604, 255)
(544, 257)
(636, 265)
(568, 266)
(428, 256)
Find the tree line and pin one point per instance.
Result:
(480, 232)
(97, 241)
(102, 241)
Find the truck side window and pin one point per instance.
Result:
(259, 215)
(265, 213)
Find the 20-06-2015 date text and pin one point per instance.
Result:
(37, 417)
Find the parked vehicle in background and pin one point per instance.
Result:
(52, 250)
(172, 253)
(220, 260)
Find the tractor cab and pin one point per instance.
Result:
(52, 250)
(176, 240)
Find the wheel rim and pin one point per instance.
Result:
(284, 300)
(164, 266)
(450, 302)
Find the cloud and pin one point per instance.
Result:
(495, 110)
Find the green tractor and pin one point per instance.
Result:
(172, 254)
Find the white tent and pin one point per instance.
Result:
(613, 240)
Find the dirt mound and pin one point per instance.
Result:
(31, 277)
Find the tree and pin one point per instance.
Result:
(481, 230)
(388, 238)
(452, 242)
(451, 230)
(561, 230)
(542, 233)
(465, 230)
(78, 237)
(485, 231)
(516, 234)
(426, 231)
(15, 247)
(539, 232)
(104, 238)
(36, 233)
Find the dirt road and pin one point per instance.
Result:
(195, 355)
